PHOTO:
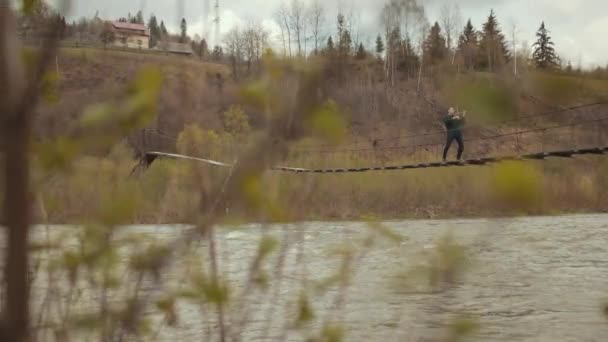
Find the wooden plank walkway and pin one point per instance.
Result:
(150, 157)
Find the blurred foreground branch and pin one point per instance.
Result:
(18, 99)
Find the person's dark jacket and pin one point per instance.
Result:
(452, 123)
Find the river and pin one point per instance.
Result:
(525, 279)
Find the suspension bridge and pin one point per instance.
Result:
(573, 131)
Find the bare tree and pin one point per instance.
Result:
(513, 27)
(390, 17)
(353, 23)
(282, 18)
(451, 21)
(297, 21)
(317, 23)
(234, 41)
(254, 41)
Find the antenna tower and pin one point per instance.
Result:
(216, 21)
(206, 15)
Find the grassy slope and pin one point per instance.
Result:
(88, 76)
(167, 194)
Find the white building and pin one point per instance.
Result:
(135, 36)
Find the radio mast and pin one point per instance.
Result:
(206, 15)
(216, 21)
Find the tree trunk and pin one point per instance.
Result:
(15, 131)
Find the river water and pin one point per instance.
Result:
(526, 279)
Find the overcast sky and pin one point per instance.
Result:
(579, 27)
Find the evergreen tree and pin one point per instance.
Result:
(361, 52)
(493, 47)
(218, 53)
(408, 59)
(330, 45)
(203, 49)
(400, 54)
(544, 53)
(344, 37)
(346, 44)
(184, 28)
(154, 31)
(107, 35)
(468, 45)
(63, 29)
(435, 48)
(379, 47)
(139, 18)
(163, 29)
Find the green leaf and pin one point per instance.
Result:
(216, 292)
(57, 154)
(333, 333)
(267, 246)
(463, 327)
(29, 6)
(50, 87)
(517, 185)
(254, 94)
(118, 208)
(328, 122)
(96, 115)
(149, 80)
(305, 311)
(150, 260)
(167, 307)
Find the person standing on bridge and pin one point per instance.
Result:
(453, 124)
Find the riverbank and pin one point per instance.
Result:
(174, 191)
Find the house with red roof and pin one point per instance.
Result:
(128, 35)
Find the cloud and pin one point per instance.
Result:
(593, 41)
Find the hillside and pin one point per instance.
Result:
(86, 76)
(381, 121)
(374, 109)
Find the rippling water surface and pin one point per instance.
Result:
(530, 279)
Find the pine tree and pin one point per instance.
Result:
(344, 37)
(64, 27)
(155, 31)
(184, 28)
(330, 45)
(435, 48)
(468, 45)
(408, 59)
(203, 49)
(163, 29)
(107, 35)
(346, 44)
(544, 53)
(493, 47)
(139, 18)
(361, 53)
(218, 53)
(379, 47)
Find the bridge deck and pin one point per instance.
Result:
(150, 157)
